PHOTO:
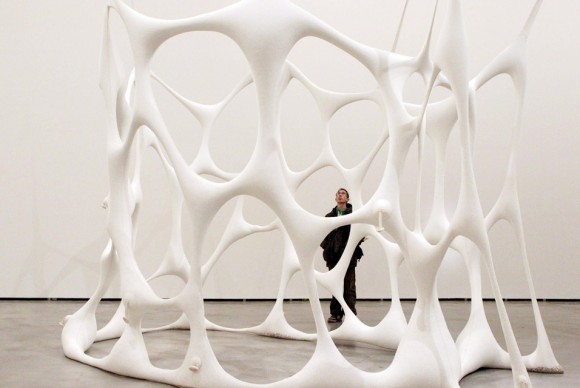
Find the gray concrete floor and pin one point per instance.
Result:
(31, 354)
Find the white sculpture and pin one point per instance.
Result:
(266, 31)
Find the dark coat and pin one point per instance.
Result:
(335, 242)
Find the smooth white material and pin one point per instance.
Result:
(266, 31)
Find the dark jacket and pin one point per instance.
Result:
(334, 243)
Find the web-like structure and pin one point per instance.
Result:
(266, 31)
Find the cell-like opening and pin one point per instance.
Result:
(302, 131)
(355, 131)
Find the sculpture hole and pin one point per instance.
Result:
(233, 138)
(177, 62)
(302, 131)
(354, 131)
(167, 348)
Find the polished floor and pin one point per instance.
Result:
(31, 355)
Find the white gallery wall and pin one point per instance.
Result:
(53, 164)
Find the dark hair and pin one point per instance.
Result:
(345, 190)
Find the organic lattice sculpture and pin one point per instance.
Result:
(266, 31)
